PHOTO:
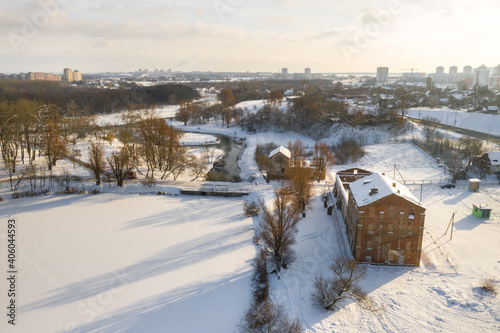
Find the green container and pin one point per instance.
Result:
(482, 213)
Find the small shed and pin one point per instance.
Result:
(481, 211)
(474, 184)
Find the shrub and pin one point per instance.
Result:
(348, 150)
(489, 287)
(251, 208)
(29, 194)
(215, 176)
(148, 182)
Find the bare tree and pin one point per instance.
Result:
(96, 161)
(227, 98)
(300, 188)
(298, 151)
(265, 164)
(268, 317)
(470, 148)
(276, 96)
(196, 165)
(54, 147)
(185, 112)
(278, 228)
(429, 127)
(119, 163)
(323, 158)
(329, 291)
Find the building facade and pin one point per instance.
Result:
(384, 221)
(382, 74)
(68, 75)
(77, 76)
(481, 76)
(307, 74)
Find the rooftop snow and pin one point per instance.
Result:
(494, 157)
(386, 186)
(282, 150)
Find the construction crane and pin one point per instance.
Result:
(409, 69)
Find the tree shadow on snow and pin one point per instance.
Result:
(192, 210)
(214, 306)
(170, 259)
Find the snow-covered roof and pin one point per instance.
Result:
(458, 96)
(282, 150)
(494, 157)
(492, 108)
(386, 186)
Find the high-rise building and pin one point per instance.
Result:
(495, 78)
(467, 70)
(440, 70)
(428, 83)
(68, 75)
(481, 76)
(77, 76)
(496, 70)
(284, 73)
(307, 73)
(382, 74)
(453, 70)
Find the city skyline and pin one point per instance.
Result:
(240, 36)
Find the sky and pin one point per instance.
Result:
(247, 35)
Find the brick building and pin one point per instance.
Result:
(384, 221)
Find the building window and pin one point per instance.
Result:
(368, 259)
(369, 245)
(389, 228)
(370, 228)
(408, 246)
(392, 211)
(410, 229)
(411, 216)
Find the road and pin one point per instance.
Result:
(478, 135)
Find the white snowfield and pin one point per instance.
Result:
(125, 262)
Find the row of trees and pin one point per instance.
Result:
(92, 100)
(29, 130)
(452, 152)
(150, 141)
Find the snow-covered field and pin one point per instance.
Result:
(480, 122)
(125, 262)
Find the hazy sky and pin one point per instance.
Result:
(253, 35)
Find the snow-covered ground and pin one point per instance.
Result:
(480, 122)
(125, 262)
(440, 296)
(132, 262)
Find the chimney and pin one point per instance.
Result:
(373, 190)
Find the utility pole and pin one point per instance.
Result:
(452, 223)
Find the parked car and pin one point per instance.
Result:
(449, 185)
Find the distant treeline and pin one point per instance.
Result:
(94, 100)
